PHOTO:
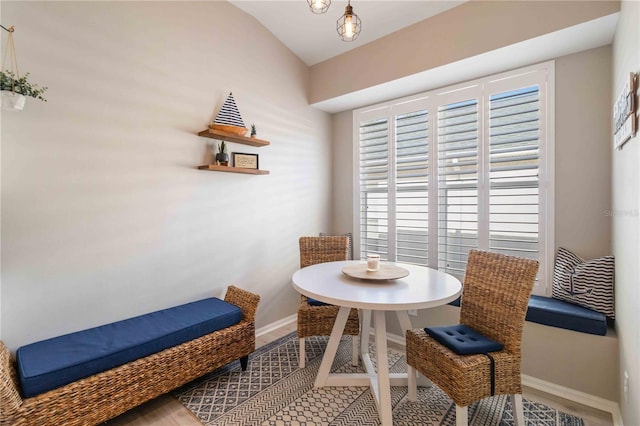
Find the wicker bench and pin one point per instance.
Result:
(108, 394)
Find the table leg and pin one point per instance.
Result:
(405, 324)
(332, 347)
(365, 330)
(384, 385)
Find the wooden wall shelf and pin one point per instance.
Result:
(224, 136)
(216, 168)
(230, 137)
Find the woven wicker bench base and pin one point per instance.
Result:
(106, 395)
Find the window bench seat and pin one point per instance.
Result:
(557, 313)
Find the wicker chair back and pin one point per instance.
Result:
(323, 249)
(496, 294)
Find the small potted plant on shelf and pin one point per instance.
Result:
(222, 158)
(16, 89)
(253, 131)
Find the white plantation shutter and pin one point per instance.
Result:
(514, 124)
(457, 184)
(464, 167)
(412, 187)
(374, 186)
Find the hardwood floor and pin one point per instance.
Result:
(167, 411)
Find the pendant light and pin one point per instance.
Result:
(319, 6)
(349, 25)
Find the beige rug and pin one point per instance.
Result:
(274, 391)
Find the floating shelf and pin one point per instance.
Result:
(216, 168)
(230, 137)
(224, 136)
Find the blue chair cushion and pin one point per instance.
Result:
(55, 362)
(314, 302)
(557, 313)
(463, 339)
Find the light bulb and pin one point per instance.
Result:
(319, 6)
(348, 26)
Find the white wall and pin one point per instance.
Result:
(343, 191)
(626, 217)
(104, 215)
(583, 166)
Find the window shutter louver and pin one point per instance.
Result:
(457, 185)
(514, 122)
(469, 166)
(412, 187)
(374, 187)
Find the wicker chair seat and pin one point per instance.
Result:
(449, 370)
(103, 396)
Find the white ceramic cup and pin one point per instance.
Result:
(373, 262)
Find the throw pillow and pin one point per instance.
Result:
(587, 283)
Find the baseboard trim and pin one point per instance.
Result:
(573, 395)
(583, 398)
(276, 325)
(400, 340)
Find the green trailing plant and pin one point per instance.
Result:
(222, 148)
(21, 85)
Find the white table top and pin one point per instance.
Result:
(422, 288)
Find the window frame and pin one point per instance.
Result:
(543, 75)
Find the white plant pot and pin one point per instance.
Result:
(12, 101)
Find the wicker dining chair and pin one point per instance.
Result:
(316, 318)
(494, 303)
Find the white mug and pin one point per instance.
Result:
(373, 262)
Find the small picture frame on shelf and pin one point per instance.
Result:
(245, 161)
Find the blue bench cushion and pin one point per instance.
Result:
(556, 313)
(55, 362)
(463, 339)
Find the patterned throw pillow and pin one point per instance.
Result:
(586, 283)
(350, 254)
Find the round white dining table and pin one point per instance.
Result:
(423, 288)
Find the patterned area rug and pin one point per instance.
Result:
(274, 391)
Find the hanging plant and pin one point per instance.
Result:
(21, 85)
(13, 88)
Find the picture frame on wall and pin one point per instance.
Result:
(624, 113)
(245, 161)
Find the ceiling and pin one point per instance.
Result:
(313, 37)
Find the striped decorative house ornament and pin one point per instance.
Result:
(229, 114)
